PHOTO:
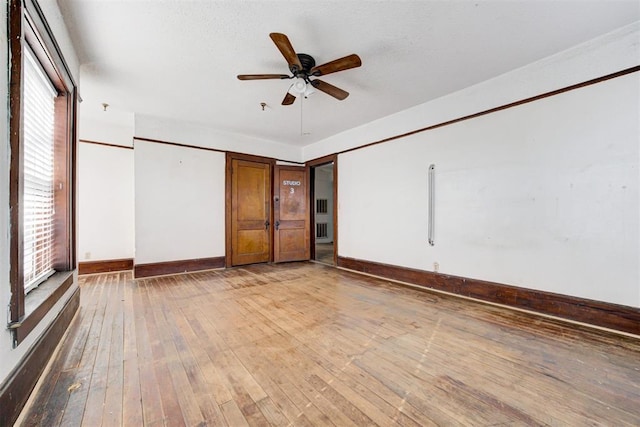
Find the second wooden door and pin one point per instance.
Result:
(291, 214)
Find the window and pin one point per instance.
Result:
(38, 196)
(42, 102)
(321, 230)
(321, 206)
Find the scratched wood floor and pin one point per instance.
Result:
(307, 344)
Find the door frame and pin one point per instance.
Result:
(228, 202)
(312, 164)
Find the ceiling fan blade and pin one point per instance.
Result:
(262, 76)
(345, 63)
(284, 46)
(329, 89)
(288, 99)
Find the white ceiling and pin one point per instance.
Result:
(179, 59)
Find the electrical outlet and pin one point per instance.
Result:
(87, 255)
(436, 267)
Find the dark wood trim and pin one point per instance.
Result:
(48, 42)
(176, 144)
(238, 155)
(335, 210)
(290, 163)
(322, 160)
(332, 158)
(174, 267)
(63, 183)
(106, 144)
(20, 383)
(16, 269)
(39, 301)
(607, 315)
(228, 199)
(312, 212)
(73, 178)
(496, 109)
(272, 208)
(28, 26)
(255, 157)
(250, 158)
(105, 266)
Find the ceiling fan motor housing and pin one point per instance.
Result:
(307, 63)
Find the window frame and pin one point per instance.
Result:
(28, 26)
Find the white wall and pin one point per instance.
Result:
(180, 192)
(105, 185)
(610, 53)
(154, 203)
(111, 126)
(543, 196)
(9, 357)
(179, 203)
(55, 21)
(105, 203)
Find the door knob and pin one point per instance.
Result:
(277, 225)
(266, 224)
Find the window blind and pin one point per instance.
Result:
(38, 192)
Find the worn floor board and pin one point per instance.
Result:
(307, 344)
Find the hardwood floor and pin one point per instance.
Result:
(307, 344)
(324, 253)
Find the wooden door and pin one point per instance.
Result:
(250, 212)
(291, 214)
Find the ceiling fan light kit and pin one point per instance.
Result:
(303, 67)
(301, 87)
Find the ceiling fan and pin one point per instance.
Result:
(303, 68)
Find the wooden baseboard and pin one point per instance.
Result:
(174, 267)
(603, 314)
(105, 266)
(16, 390)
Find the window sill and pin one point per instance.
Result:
(39, 302)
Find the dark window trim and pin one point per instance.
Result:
(39, 28)
(39, 301)
(15, 182)
(27, 25)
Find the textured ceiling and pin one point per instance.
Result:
(179, 59)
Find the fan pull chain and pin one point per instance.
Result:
(301, 115)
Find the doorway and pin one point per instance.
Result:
(323, 212)
(267, 211)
